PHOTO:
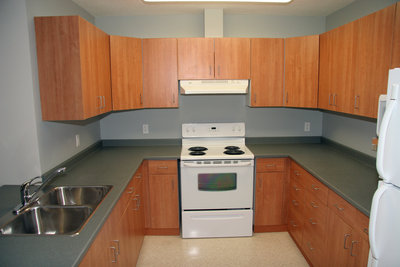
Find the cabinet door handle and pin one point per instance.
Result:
(219, 70)
(339, 208)
(100, 102)
(209, 69)
(311, 221)
(314, 187)
(345, 240)
(173, 98)
(141, 99)
(114, 253)
(309, 246)
(137, 199)
(104, 101)
(330, 99)
(351, 249)
(356, 102)
(255, 98)
(334, 100)
(314, 205)
(287, 97)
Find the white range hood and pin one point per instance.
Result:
(210, 87)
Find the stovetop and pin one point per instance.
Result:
(203, 141)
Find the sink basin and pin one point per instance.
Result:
(48, 221)
(74, 195)
(61, 211)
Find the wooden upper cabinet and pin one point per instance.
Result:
(396, 40)
(267, 69)
(373, 40)
(336, 73)
(195, 58)
(126, 72)
(232, 58)
(301, 71)
(74, 68)
(160, 77)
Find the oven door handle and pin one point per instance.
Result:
(195, 165)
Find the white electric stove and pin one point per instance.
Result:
(216, 181)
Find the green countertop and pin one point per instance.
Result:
(351, 178)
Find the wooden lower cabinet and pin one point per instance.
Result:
(270, 198)
(162, 208)
(120, 239)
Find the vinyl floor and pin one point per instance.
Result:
(262, 249)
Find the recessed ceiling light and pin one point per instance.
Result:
(247, 1)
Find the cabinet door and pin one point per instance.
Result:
(138, 222)
(232, 58)
(266, 72)
(270, 195)
(396, 40)
(339, 236)
(95, 61)
(164, 203)
(372, 64)
(160, 78)
(337, 69)
(195, 58)
(126, 72)
(301, 71)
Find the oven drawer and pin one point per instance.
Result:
(224, 223)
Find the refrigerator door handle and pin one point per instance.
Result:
(373, 219)
(382, 137)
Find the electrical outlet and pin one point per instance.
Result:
(145, 129)
(307, 126)
(77, 141)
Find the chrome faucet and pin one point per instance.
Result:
(26, 197)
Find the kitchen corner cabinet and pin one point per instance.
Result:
(162, 206)
(126, 72)
(267, 68)
(160, 77)
(270, 195)
(353, 72)
(120, 239)
(74, 68)
(301, 71)
(396, 40)
(195, 58)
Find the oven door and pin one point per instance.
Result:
(208, 185)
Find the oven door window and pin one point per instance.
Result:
(217, 181)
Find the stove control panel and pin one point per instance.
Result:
(213, 130)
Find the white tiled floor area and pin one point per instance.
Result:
(263, 249)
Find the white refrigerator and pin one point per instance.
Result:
(384, 226)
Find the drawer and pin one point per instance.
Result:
(314, 251)
(295, 227)
(349, 213)
(163, 167)
(297, 173)
(319, 190)
(295, 206)
(270, 165)
(296, 190)
(315, 208)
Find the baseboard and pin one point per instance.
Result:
(164, 231)
(270, 228)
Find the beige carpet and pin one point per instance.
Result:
(265, 249)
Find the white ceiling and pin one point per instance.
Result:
(137, 7)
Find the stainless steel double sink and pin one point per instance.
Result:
(63, 210)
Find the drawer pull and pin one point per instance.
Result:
(293, 224)
(311, 221)
(314, 205)
(271, 165)
(345, 240)
(314, 187)
(339, 208)
(309, 246)
(297, 173)
(295, 188)
(131, 189)
(138, 176)
(295, 202)
(351, 249)
(162, 167)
